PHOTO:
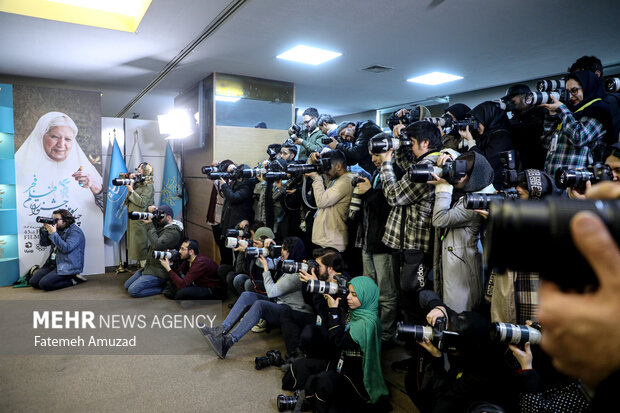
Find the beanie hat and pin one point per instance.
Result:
(265, 232)
(538, 183)
(166, 209)
(481, 173)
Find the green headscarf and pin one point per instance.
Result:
(365, 330)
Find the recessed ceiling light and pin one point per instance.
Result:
(308, 55)
(434, 78)
(227, 98)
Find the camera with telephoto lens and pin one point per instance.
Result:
(515, 334)
(272, 358)
(153, 216)
(406, 119)
(210, 169)
(356, 199)
(272, 251)
(286, 403)
(232, 242)
(323, 166)
(327, 140)
(379, 144)
(577, 178)
(275, 176)
(510, 176)
(463, 124)
(123, 179)
(239, 232)
(47, 220)
(446, 341)
(612, 85)
(539, 98)
(162, 255)
(249, 173)
(444, 121)
(293, 267)
(535, 236)
(339, 289)
(482, 201)
(215, 176)
(547, 85)
(451, 171)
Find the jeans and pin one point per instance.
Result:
(46, 278)
(379, 268)
(139, 285)
(243, 282)
(249, 308)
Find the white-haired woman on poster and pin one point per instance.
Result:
(52, 172)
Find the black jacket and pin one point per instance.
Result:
(358, 153)
(526, 130)
(238, 202)
(376, 211)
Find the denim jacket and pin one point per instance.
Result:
(70, 244)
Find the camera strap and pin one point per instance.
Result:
(579, 110)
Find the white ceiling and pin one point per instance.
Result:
(488, 42)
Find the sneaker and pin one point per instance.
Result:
(78, 279)
(403, 366)
(260, 326)
(221, 344)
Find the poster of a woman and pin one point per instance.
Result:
(53, 172)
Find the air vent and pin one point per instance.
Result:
(377, 69)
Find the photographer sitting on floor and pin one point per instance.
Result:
(66, 260)
(196, 276)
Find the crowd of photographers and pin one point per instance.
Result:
(352, 241)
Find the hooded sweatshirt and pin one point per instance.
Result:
(163, 238)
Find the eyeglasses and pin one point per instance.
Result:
(573, 91)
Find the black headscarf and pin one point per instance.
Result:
(491, 116)
(459, 110)
(599, 110)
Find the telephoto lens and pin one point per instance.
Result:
(463, 124)
(514, 334)
(299, 169)
(292, 267)
(250, 173)
(410, 331)
(232, 242)
(380, 144)
(209, 169)
(547, 85)
(140, 215)
(482, 201)
(538, 98)
(422, 173)
(286, 403)
(355, 205)
(612, 85)
(322, 287)
(220, 175)
(577, 178)
(276, 176)
(47, 220)
(162, 255)
(231, 232)
(444, 121)
(123, 181)
(534, 236)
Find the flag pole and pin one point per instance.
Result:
(121, 268)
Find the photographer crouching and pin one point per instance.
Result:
(164, 233)
(195, 278)
(66, 260)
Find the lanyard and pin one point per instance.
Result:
(579, 110)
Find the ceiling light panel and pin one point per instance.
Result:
(308, 55)
(434, 78)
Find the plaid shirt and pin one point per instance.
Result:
(570, 146)
(412, 202)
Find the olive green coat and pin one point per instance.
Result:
(139, 200)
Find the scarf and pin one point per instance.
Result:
(365, 329)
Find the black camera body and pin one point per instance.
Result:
(162, 255)
(297, 131)
(463, 124)
(445, 340)
(154, 216)
(47, 220)
(238, 232)
(577, 178)
(293, 267)
(271, 358)
(327, 140)
(123, 179)
(406, 119)
(451, 171)
(323, 166)
(380, 145)
(483, 201)
(339, 289)
(510, 176)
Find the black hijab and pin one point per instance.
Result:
(599, 110)
(491, 116)
(459, 110)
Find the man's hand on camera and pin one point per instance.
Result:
(397, 129)
(437, 180)
(436, 313)
(364, 186)
(581, 331)
(386, 156)
(524, 357)
(165, 263)
(443, 158)
(239, 247)
(298, 141)
(331, 303)
(332, 144)
(305, 276)
(50, 228)
(575, 193)
(314, 157)
(430, 347)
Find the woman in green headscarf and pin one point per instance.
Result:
(354, 383)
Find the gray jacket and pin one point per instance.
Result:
(287, 290)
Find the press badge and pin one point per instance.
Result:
(554, 142)
(340, 363)
(319, 320)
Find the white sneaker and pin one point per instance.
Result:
(260, 326)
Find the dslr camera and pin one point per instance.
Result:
(380, 145)
(547, 88)
(577, 178)
(339, 289)
(451, 171)
(296, 129)
(273, 251)
(162, 255)
(46, 220)
(445, 340)
(482, 201)
(154, 216)
(515, 334)
(293, 267)
(271, 358)
(124, 179)
(356, 199)
(323, 166)
(239, 232)
(510, 176)
(463, 124)
(612, 85)
(234, 242)
(406, 119)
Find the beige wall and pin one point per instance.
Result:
(244, 145)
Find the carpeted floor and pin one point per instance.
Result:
(194, 380)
